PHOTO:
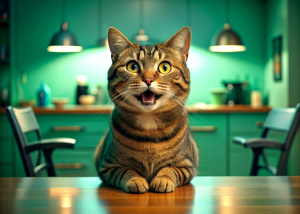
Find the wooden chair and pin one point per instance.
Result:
(24, 121)
(279, 119)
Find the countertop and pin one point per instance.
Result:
(102, 109)
(245, 195)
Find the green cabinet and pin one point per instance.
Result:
(6, 148)
(86, 129)
(240, 158)
(209, 132)
(213, 133)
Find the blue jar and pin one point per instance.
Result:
(43, 95)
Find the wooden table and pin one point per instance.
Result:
(203, 195)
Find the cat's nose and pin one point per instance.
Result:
(148, 80)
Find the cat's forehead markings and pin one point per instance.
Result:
(141, 55)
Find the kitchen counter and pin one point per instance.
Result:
(103, 109)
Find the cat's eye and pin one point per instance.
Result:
(164, 67)
(133, 67)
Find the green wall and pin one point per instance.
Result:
(277, 25)
(283, 18)
(36, 21)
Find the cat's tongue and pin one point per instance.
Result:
(148, 98)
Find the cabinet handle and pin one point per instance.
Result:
(67, 128)
(69, 165)
(203, 128)
(259, 123)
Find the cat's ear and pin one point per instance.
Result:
(181, 41)
(117, 41)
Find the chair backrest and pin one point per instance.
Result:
(280, 119)
(23, 121)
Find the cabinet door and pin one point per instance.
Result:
(240, 158)
(86, 129)
(209, 132)
(6, 153)
(75, 163)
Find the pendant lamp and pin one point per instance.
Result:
(64, 41)
(227, 40)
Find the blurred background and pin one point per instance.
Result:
(262, 75)
(27, 27)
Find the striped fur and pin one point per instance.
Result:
(148, 146)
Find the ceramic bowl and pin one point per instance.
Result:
(87, 99)
(59, 102)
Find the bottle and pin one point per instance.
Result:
(82, 88)
(99, 95)
(43, 94)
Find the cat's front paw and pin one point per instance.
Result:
(162, 184)
(136, 185)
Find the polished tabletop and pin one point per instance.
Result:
(204, 195)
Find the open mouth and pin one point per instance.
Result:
(148, 98)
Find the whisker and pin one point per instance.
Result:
(190, 111)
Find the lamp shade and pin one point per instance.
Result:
(227, 41)
(64, 41)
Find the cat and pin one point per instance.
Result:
(148, 146)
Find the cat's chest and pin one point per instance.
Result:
(147, 121)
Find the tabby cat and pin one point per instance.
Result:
(149, 145)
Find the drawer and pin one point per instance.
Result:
(74, 163)
(73, 123)
(246, 122)
(209, 132)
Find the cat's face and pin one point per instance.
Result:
(149, 78)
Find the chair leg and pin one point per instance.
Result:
(255, 166)
(50, 168)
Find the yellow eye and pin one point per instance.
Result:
(133, 67)
(164, 68)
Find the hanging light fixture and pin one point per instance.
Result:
(227, 40)
(64, 41)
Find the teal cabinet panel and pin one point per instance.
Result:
(245, 122)
(75, 163)
(209, 132)
(5, 129)
(6, 171)
(240, 163)
(241, 124)
(6, 150)
(71, 162)
(83, 139)
(86, 129)
(87, 123)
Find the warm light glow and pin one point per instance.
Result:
(63, 48)
(227, 48)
